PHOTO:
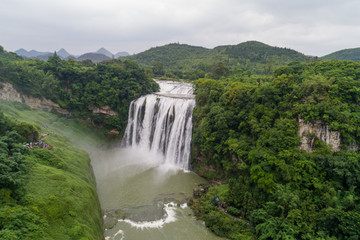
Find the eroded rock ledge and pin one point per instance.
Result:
(106, 110)
(318, 130)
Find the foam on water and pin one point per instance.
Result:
(170, 216)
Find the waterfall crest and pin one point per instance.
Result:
(162, 123)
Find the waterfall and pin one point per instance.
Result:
(162, 123)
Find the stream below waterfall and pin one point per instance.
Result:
(144, 185)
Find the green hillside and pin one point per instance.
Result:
(45, 193)
(183, 60)
(352, 54)
(171, 55)
(9, 55)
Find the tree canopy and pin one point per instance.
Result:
(246, 134)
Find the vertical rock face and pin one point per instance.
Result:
(309, 132)
(8, 93)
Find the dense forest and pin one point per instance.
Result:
(80, 86)
(352, 54)
(245, 136)
(190, 62)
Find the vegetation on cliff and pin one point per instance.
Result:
(246, 134)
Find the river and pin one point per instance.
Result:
(143, 185)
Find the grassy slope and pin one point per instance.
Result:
(61, 186)
(77, 131)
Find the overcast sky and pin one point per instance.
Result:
(313, 27)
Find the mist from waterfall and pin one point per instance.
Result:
(161, 123)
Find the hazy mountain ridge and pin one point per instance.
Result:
(105, 52)
(95, 57)
(100, 55)
(175, 54)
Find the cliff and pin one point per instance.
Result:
(9, 93)
(310, 132)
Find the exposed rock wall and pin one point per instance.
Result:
(318, 130)
(43, 104)
(9, 93)
(106, 110)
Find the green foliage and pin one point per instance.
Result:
(216, 71)
(45, 194)
(190, 62)
(246, 132)
(345, 54)
(79, 87)
(158, 69)
(28, 131)
(210, 208)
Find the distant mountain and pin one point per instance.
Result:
(121, 54)
(260, 52)
(105, 52)
(43, 57)
(248, 55)
(22, 52)
(172, 55)
(95, 57)
(30, 54)
(352, 54)
(63, 53)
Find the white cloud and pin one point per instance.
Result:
(313, 27)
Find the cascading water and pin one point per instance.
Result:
(162, 123)
(141, 194)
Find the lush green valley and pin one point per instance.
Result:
(246, 137)
(246, 140)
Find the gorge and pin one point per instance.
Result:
(144, 185)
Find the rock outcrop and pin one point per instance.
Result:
(106, 110)
(43, 104)
(9, 93)
(318, 130)
(114, 132)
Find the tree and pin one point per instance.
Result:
(158, 69)
(218, 70)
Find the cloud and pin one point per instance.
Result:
(313, 27)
